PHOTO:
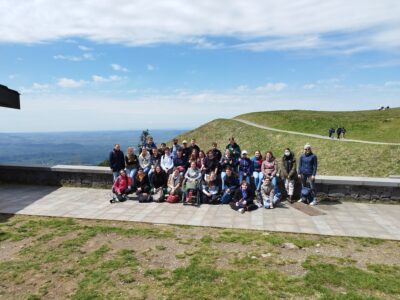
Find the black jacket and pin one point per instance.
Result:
(117, 160)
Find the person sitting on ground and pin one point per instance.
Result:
(234, 148)
(210, 189)
(245, 168)
(116, 160)
(308, 164)
(270, 167)
(167, 162)
(159, 178)
(150, 145)
(257, 172)
(141, 185)
(155, 160)
(175, 184)
(191, 181)
(269, 194)
(231, 183)
(243, 198)
(180, 162)
(288, 172)
(224, 163)
(122, 187)
(193, 145)
(131, 163)
(145, 160)
(217, 153)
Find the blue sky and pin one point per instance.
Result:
(176, 64)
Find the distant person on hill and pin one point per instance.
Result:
(234, 148)
(122, 187)
(117, 160)
(331, 132)
(269, 167)
(338, 132)
(243, 199)
(308, 165)
(245, 168)
(145, 160)
(288, 172)
(131, 163)
(167, 162)
(257, 172)
(343, 132)
(216, 151)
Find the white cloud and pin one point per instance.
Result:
(150, 68)
(333, 25)
(392, 83)
(38, 86)
(98, 79)
(84, 48)
(117, 67)
(70, 83)
(85, 56)
(309, 86)
(272, 87)
(242, 88)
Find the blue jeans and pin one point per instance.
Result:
(307, 178)
(147, 169)
(226, 198)
(223, 175)
(258, 177)
(241, 178)
(131, 172)
(115, 175)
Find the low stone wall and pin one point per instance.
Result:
(362, 188)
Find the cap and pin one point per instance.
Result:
(307, 146)
(244, 152)
(184, 142)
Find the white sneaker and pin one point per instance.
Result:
(313, 203)
(300, 200)
(241, 210)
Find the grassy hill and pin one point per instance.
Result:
(370, 125)
(335, 158)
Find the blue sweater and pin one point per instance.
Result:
(308, 164)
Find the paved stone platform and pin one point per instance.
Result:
(335, 218)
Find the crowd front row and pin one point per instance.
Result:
(187, 174)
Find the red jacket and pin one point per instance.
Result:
(122, 183)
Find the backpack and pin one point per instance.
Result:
(144, 197)
(173, 198)
(158, 195)
(306, 194)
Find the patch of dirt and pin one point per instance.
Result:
(10, 249)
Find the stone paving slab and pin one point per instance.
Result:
(342, 219)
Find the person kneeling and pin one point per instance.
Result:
(243, 198)
(142, 186)
(122, 187)
(270, 194)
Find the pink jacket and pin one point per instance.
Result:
(122, 183)
(269, 167)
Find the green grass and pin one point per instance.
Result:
(370, 125)
(334, 158)
(217, 264)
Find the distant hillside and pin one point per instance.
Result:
(335, 158)
(371, 125)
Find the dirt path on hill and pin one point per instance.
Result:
(313, 135)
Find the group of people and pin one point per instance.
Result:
(185, 173)
(340, 132)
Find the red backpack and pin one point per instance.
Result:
(173, 198)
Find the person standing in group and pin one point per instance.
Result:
(161, 150)
(150, 145)
(185, 150)
(167, 162)
(217, 153)
(257, 172)
(116, 160)
(145, 160)
(245, 168)
(233, 148)
(288, 172)
(224, 163)
(175, 146)
(308, 165)
(269, 167)
(155, 160)
(210, 163)
(193, 145)
(131, 163)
